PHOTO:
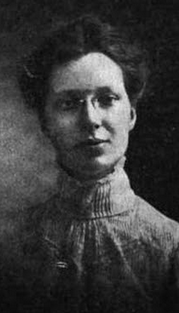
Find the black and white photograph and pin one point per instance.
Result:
(89, 156)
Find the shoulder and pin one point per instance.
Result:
(148, 212)
(155, 225)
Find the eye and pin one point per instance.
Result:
(69, 104)
(108, 100)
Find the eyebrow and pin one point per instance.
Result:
(82, 92)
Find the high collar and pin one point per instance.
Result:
(105, 197)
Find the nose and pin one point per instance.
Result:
(91, 115)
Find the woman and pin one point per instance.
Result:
(95, 246)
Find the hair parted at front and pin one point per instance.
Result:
(70, 41)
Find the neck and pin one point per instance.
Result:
(94, 197)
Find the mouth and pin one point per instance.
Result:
(92, 142)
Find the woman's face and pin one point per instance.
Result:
(88, 115)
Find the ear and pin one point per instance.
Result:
(133, 118)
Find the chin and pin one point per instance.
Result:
(98, 168)
(92, 168)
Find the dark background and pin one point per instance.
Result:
(27, 166)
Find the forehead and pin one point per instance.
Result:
(91, 71)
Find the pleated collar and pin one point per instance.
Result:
(105, 197)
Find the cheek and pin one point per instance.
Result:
(63, 130)
(57, 124)
(119, 123)
(121, 135)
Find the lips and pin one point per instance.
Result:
(92, 142)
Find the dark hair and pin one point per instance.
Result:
(70, 41)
